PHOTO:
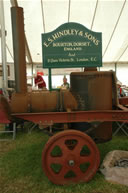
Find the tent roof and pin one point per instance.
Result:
(41, 16)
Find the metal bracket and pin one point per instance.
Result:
(13, 133)
(121, 126)
(43, 125)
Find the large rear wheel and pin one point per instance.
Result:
(70, 157)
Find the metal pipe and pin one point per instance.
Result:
(19, 49)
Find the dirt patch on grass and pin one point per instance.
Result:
(6, 146)
(15, 186)
(97, 192)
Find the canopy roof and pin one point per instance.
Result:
(41, 16)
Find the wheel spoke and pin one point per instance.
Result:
(63, 171)
(77, 171)
(83, 159)
(70, 156)
(62, 146)
(58, 160)
(78, 147)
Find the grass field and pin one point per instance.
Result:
(21, 172)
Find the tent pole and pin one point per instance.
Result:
(115, 68)
(3, 49)
(49, 79)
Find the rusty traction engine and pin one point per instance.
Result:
(71, 155)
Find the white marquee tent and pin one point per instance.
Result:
(41, 16)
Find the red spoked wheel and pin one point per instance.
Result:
(70, 157)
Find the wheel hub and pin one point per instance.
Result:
(76, 158)
(71, 163)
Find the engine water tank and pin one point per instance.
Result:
(93, 90)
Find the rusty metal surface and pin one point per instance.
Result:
(75, 116)
(103, 132)
(3, 117)
(123, 101)
(93, 90)
(34, 102)
(5, 114)
(19, 48)
(42, 101)
(19, 102)
(76, 158)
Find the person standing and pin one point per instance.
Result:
(120, 90)
(65, 84)
(39, 81)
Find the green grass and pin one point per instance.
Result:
(21, 171)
